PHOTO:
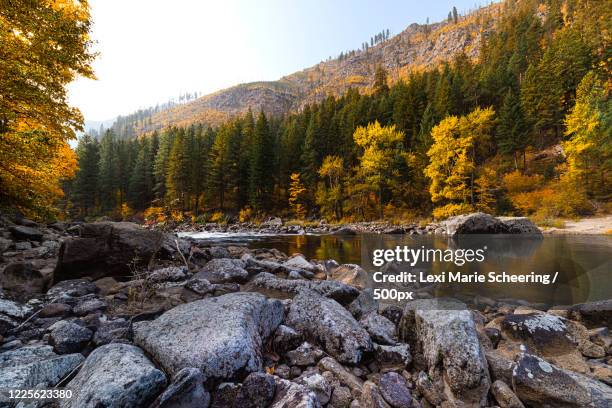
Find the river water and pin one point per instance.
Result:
(582, 264)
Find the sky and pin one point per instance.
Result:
(151, 51)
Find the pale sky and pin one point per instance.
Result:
(154, 50)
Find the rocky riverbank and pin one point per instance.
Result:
(131, 317)
(475, 223)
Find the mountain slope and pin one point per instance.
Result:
(417, 47)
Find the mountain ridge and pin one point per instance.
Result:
(418, 47)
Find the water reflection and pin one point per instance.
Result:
(583, 263)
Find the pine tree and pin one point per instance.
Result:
(262, 164)
(512, 129)
(108, 180)
(85, 187)
(455, 15)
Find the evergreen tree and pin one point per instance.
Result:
(85, 187)
(512, 129)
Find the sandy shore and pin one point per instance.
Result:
(595, 225)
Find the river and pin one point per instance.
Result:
(581, 263)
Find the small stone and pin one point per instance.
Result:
(55, 309)
(317, 384)
(185, 391)
(341, 397)
(364, 304)
(89, 306)
(371, 397)
(305, 355)
(295, 372)
(504, 396)
(393, 356)
(285, 338)
(394, 390)
(381, 329)
(257, 391)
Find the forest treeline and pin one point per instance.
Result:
(461, 137)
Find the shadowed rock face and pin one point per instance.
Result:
(107, 249)
(221, 336)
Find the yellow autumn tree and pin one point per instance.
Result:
(44, 45)
(589, 147)
(459, 144)
(382, 152)
(296, 195)
(329, 195)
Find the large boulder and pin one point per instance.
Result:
(223, 270)
(593, 314)
(115, 375)
(449, 341)
(326, 322)
(335, 290)
(107, 249)
(69, 337)
(222, 336)
(23, 280)
(540, 384)
(474, 223)
(26, 233)
(520, 225)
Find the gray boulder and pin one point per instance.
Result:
(72, 288)
(593, 314)
(107, 249)
(223, 270)
(449, 341)
(23, 280)
(335, 290)
(185, 391)
(381, 329)
(30, 366)
(68, 337)
(364, 304)
(520, 225)
(329, 324)
(115, 375)
(539, 383)
(474, 223)
(169, 274)
(14, 309)
(221, 336)
(23, 232)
